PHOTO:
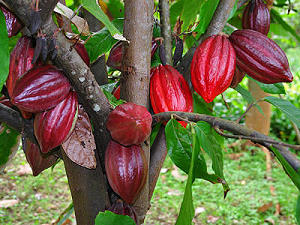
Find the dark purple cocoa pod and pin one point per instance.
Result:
(122, 208)
(260, 57)
(237, 77)
(13, 25)
(256, 17)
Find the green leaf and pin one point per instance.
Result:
(112, 99)
(200, 106)
(233, 11)
(179, 145)
(276, 88)
(248, 97)
(206, 13)
(292, 112)
(175, 11)
(116, 8)
(96, 10)
(102, 41)
(9, 139)
(187, 210)
(295, 177)
(298, 210)
(276, 16)
(154, 133)
(4, 51)
(190, 10)
(110, 218)
(109, 87)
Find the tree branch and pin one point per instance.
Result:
(236, 129)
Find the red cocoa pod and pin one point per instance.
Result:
(52, 128)
(13, 24)
(122, 208)
(256, 17)
(83, 53)
(212, 67)
(5, 101)
(237, 77)
(129, 124)
(126, 170)
(116, 54)
(117, 92)
(40, 89)
(36, 160)
(20, 62)
(260, 57)
(169, 91)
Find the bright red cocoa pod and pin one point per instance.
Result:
(13, 24)
(256, 17)
(237, 77)
(36, 160)
(212, 67)
(169, 91)
(117, 92)
(52, 128)
(116, 54)
(126, 170)
(122, 208)
(40, 89)
(260, 57)
(20, 62)
(129, 124)
(83, 53)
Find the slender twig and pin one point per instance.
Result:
(255, 139)
(247, 110)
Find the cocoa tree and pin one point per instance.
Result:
(94, 185)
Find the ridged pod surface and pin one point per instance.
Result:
(13, 25)
(260, 57)
(256, 17)
(237, 77)
(20, 62)
(36, 160)
(126, 170)
(122, 208)
(212, 67)
(52, 128)
(40, 89)
(169, 91)
(129, 124)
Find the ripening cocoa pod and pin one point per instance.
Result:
(40, 89)
(212, 67)
(117, 92)
(36, 160)
(83, 53)
(237, 77)
(256, 17)
(122, 208)
(13, 24)
(260, 57)
(5, 101)
(129, 124)
(116, 55)
(126, 170)
(20, 62)
(52, 128)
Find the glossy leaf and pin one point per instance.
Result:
(200, 106)
(276, 88)
(154, 133)
(292, 112)
(187, 210)
(110, 218)
(96, 10)
(112, 99)
(175, 11)
(9, 140)
(116, 8)
(189, 12)
(80, 146)
(4, 52)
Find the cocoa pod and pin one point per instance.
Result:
(169, 91)
(126, 170)
(256, 17)
(212, 67)
(129, 124)
(117, 92)
(13, 24)
(36, 160)
(41, 88)
(83, 53)
(52, 128)
(5, 101)
(237, 77)
(122, 208)
(20, 62)
(260, 57)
